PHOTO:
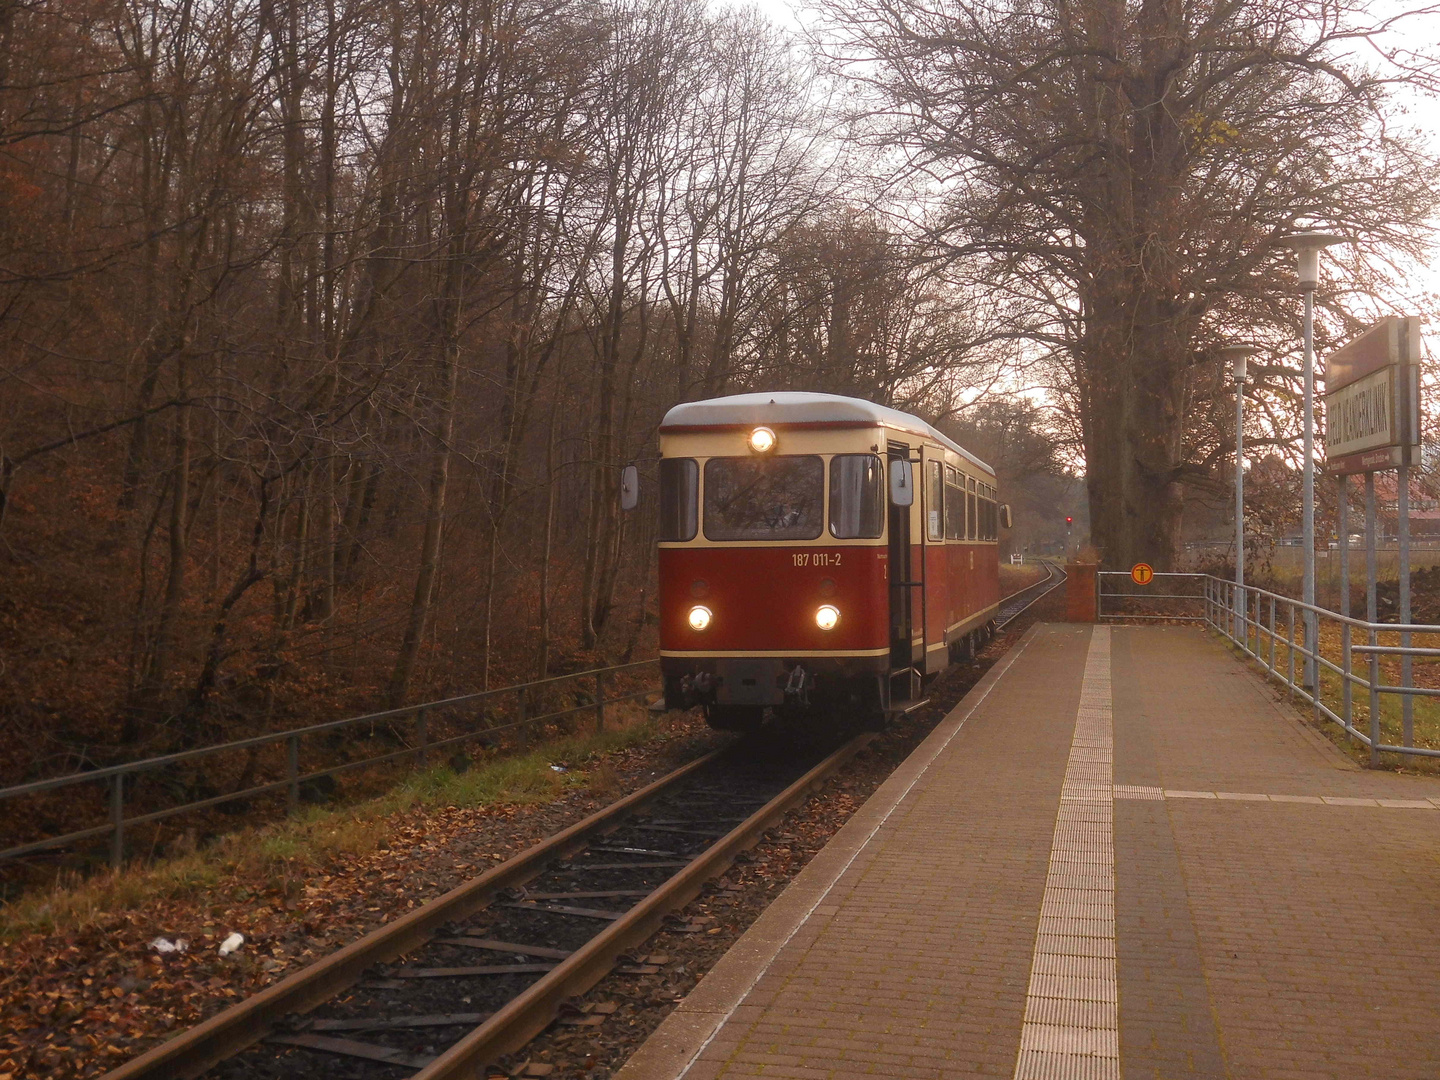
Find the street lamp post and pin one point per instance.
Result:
(1307, 247)
(1237, 355)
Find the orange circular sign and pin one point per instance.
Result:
(1141, 573)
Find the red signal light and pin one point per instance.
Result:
(1068, 520)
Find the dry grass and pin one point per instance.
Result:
(1015, 578)
(282, 853)
(1426, 710)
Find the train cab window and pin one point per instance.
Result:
(954, 506)
(987, 515)
(857, 496)
(971, 508)
(679, 499)
(934, 500)
(764, 498)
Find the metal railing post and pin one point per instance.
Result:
(1347, 694)
(1348, 691)
(1259, 623)
(522, 724)
(1272, 633)
(1290, 648)
(1255, 623)
(1374, 639)
(1342, 514)
(422, 738)
(1402, 540)
(599, 701)
(292, 772)
(117, 821)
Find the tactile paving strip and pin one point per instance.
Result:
(1072, 1028)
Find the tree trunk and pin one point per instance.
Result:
(434, 520)
(1134, 427)
(162, 657)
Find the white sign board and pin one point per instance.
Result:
(1361, 416)
(1372, 399)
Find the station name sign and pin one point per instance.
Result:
(1372, 399)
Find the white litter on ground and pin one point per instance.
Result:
(232, 944)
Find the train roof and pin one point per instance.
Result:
(797, 407)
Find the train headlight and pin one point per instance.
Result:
(827, 616)
(762, 440)
(699, 617)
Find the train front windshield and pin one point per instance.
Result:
(764, 498)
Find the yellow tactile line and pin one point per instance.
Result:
(1137, 791)
(1072, 1027)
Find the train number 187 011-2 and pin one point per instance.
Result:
(816, 558)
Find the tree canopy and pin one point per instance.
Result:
(1124, 174)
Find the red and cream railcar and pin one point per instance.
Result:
(817, 552)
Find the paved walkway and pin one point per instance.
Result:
(1119, 856)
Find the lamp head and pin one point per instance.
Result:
(1307, 247)
(1237, 355)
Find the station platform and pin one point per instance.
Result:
(1122, 854)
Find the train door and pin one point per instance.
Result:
(904, 577)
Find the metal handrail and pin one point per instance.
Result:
(116, 774)
(1239, 613)
(1101, 596)
(1228, 609)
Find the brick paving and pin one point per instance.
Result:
(1254, 938)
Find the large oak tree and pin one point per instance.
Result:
(1125, 172)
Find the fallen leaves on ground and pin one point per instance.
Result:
(75, 1004)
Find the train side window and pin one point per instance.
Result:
(857, 496)
(679, 499)
(934, 500)
(954, 507)
(764, 498)
(971, 515)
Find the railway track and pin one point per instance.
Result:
(1015, 605)
(447, 988)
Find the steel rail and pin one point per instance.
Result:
(525, 1016)
(1050, 584)
(247, 1022)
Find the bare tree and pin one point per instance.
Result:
(1143, 161)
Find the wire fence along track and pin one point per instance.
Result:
(117, 780)
(419, 719)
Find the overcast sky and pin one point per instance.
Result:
(1421, 112)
